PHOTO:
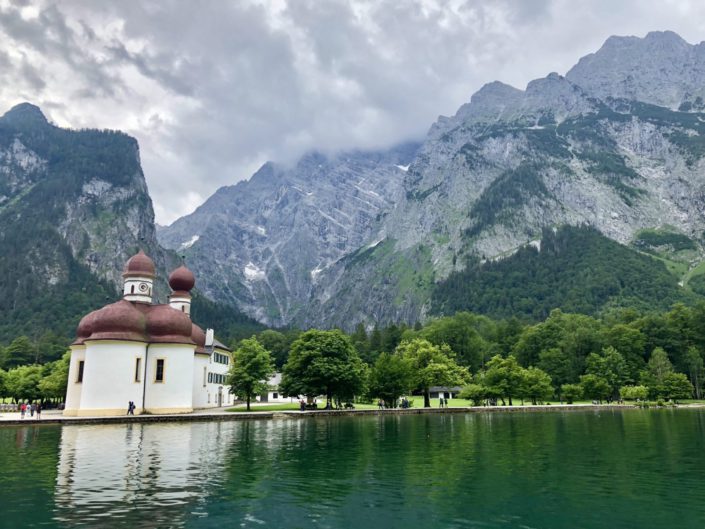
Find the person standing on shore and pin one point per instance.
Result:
(23, 410)
(38, 409)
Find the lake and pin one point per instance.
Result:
(586, 469)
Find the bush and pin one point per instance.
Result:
(571, 392)
(474, 392)
(634, 393)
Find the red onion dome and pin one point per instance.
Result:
(199, 338)
(117, 321)
(84, 328)
(182, 279)
(139, 265)
(168, 325)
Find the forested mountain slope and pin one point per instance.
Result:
(73, 207)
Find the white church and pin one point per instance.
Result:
(148, 354)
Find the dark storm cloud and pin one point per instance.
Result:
(213, 89)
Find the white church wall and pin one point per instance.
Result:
(109, 377)
(73, 386)
(174, 394)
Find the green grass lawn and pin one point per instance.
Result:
(417, 402)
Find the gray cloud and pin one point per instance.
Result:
(213, 89)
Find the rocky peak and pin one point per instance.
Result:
(490, 102)
(23, 115)
(661, 69)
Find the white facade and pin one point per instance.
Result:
(274, 395)
(210, 377)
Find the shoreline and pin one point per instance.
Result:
(264, 415)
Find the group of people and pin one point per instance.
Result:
(442, 402)
(32, 408)
(303, 406)
(403, 403)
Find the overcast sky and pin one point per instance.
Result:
(213, 89)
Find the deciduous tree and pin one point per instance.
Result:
(431, 365)
(536, 385)
(390, 378)
(571, 392)
(323, 363)
(252, 366)
(595, 387)
(504, 376)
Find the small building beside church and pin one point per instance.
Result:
(150, 354)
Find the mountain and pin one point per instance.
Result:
(73, 207)
(616, 144)
(661, 69)
(261, 244)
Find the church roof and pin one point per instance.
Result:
(125, 320)
(137, 322)
(139, 264)
(182, 279)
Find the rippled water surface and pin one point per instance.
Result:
(536, 470)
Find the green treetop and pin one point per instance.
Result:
(654, 376)
(390, 378)
(431, 365)
(23, 382)
(252, 366)
(323, 363)
(536, 385)
(610, 367)
(277, 344)
(504, 376)
(694, 361)
(53, 384)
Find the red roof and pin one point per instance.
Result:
(182, 279)
(139, 265)
(199, 338)
(136, 322)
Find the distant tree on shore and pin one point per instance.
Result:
(56, 374)
(571, 392)
(324, 363)
(22, 383)
(504, 376)
(595, 387)
(390, 378)
(431, 365)
(252, 366)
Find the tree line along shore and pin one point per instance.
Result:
(624, 354)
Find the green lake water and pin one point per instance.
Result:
(591, 469)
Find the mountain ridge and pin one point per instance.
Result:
(571, 149)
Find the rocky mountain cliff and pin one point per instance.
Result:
(73, 207)
(617, 144)
(262, 244)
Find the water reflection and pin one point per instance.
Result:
(589, 470)
(147, 475)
